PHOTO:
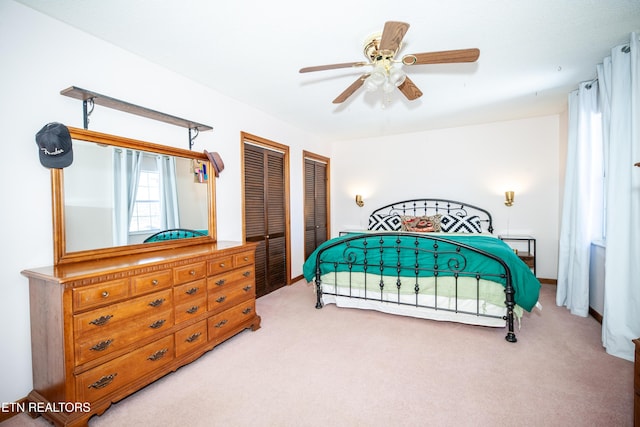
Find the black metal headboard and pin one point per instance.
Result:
(456, 216)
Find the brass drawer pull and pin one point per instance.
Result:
(158, 355)
(221, 282)
(222, 265)
(221, 323)
(157, 324)
(105, 294)
(246, 310)
(193, 309)
(102, 345)
(103, 382)
(192, 272)
(154, 282)
(193, 337)
(247, 288)
(191, 291)
(102, 320)
(221, 299)
(246, 274)
(157, 303)
(246, 258)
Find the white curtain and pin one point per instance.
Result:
(619, 78)
(169, 192)
(612, 149)
(126, 167)
(582, 205)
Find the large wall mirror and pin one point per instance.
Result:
(122, 196)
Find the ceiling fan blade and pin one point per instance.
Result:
(351, 89)
(333, 66)
(443, 57)
(392, 35)
(409, 89)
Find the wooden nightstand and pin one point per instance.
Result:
(524, 246)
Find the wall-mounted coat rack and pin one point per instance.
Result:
(90, 99)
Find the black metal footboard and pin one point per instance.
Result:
(398, 267)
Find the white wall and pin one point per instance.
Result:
(40, 57)
(474, 164)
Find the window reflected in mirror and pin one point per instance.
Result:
(119, 196)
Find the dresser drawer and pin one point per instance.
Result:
(189, 273)
(191, 309)
(117, 315)
(227, 322)
(245, 258)
(189, 291)
(151, 282)
(219, 281)
(220, 265)
(191, 338)
(120, 372)
(103, 293)
(108, 341)
(230, 295)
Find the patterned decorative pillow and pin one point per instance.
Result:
(421, 224)
(379, 222)
(456, 224)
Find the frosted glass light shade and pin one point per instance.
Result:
(397, 76)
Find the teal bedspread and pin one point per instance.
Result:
(450, 259)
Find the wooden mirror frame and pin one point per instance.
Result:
(60, 254)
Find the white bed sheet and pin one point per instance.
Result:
(451, 309)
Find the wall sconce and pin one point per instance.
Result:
(508, 198)
(359, 200)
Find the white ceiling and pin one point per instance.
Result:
(532, 53)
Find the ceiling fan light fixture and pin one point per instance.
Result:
(370, 85)
(388, 86)
(379, 75)
(376, 79)
(397, 76)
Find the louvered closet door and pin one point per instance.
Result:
(315, 205)
(265, 220)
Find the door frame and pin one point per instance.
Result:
(274, 146)
(321, 159)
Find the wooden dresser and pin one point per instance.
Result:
(636, 385)
(100, 330)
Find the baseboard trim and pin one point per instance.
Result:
(548, 281)
(595, 315)
(9, 410)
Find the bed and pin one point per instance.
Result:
(427, 258)
(174, 233)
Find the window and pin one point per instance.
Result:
(146, 214)
(598, 177)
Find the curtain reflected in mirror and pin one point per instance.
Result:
(115, 196)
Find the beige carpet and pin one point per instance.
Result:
(345, 367)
